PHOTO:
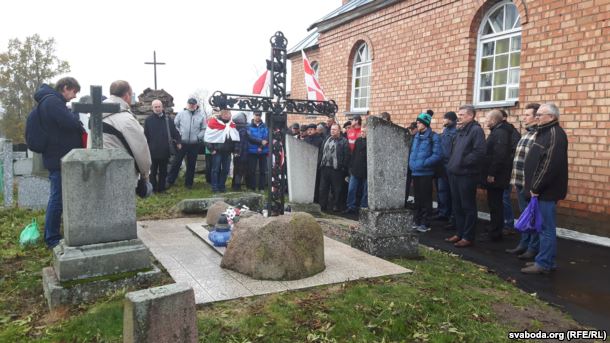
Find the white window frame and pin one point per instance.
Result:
(360, 65)
(513, 32)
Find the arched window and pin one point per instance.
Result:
(498, 55)
(361, 79)
(316, 69)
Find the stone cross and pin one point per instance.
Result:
(154, 63)
(277, 106)
(96, 108)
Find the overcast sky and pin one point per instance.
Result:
(211, 45)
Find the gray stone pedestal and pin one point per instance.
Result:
(313, 208)
(386, 233)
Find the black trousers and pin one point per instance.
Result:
(255, 160)
(330, 179)
(464, 201)
(496, 211)
(158, 174)
(422, 185)
(240, 169)
(208, 168)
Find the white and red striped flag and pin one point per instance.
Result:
(314, 90)
(261, 83)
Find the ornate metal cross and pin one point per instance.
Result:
(95, 109)
(154, 63)
(277, 106)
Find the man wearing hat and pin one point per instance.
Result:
(425, 155)
(442, 186)
(295, 129)
(191, 124)
(312, 136)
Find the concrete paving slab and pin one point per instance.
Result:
(187, 258)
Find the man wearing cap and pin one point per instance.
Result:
(464, 168)
(425, 155)
(295, 130)
(191, 124)
(312, 136)
(258, 149)
(442, 185)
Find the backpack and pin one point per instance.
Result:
(36, 136)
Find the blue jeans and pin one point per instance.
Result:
(190, 151)
(444, 196)
(509, 216)
(221, 162)
(52, 220)
(531, 240)
(548, 236)
(356, 185)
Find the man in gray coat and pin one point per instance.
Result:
(191, 124)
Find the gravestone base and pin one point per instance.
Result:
(386, 233)
(313, 209)
(58, 294)
(87, 261)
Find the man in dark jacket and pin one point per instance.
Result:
(358, 173)
(333, 160)
(442, 182)
(240, 162)
(509, 215)
(162, 137)
(425, 156)
(221, 139)
(546, 177)
(65, 133)
(496, 170)
(464, 168)
(313, 137)
(258, 149)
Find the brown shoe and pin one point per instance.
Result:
(462, 243)
(452, 239)
(534, 269)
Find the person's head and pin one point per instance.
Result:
(335, 131)
(547, 113)
(240, 118)
(347, 125)
(386, 116)
(311, 130)
(68, 87)
(330, 121)
(121, 89)
(295, 128)
(157, 107)
(191, 104)
(225, 115)
(423, 121)
(466, 114)
(412, 128)
(258, 117)
(320, 129)
(493, 118)
(449, 119)
(356, 121)
(303, 129)
(529, 114)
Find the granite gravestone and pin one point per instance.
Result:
(302, 163)
(385, 227)
(6, 158)
(33, 192)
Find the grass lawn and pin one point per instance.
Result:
(445, 299)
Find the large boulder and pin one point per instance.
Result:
(215, 211)
(287, 247)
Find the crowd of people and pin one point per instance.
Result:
(456, 162)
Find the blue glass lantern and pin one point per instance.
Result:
(221, 234)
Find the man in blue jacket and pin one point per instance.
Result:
(258, 148)
(425, 156)
(464, 169)
(65, 133)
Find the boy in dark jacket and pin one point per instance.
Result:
(65, 133)
(358, 173)
(157, 127)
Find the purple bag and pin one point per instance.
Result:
(531, 218)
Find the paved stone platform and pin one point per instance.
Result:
(188, 259)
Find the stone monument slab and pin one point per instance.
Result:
(165, 314)
(6, 156)
(387, 161)
(386, 234)
(302, 163)
(99, 202)
(23, 167)
(33, 192)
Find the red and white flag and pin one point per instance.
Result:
(261, 83)
(314, 90)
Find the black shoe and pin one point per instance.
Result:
(350, 211)
(516, 251)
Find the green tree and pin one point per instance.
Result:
(23, 68)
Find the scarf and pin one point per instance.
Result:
(218, 131)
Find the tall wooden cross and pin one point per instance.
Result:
(277, 106)
(154, 63)
(95, 109)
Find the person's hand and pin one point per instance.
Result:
(179, 146)
(491, 179)
(259, 149)
(264, 142)
(213, 152)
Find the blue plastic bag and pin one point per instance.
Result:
(531, 218)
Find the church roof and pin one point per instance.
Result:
(310, 41)
(348, 6)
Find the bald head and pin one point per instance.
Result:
(494, 117)
(157, 106)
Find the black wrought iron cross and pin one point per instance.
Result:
(154, 63)
(95, 109)
(277, 106)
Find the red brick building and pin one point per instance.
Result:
(405, 56)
